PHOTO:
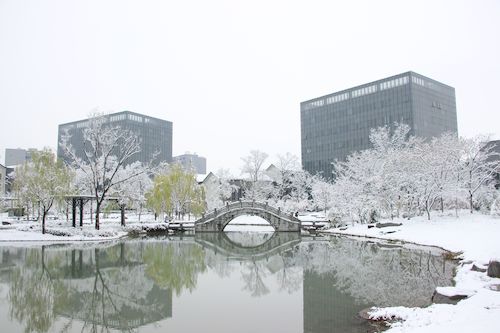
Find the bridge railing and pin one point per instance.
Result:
(244, 204)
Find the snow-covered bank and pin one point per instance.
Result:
(474, 235)
(59, 235)
(62, 232)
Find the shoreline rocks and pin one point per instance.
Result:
(494, 269)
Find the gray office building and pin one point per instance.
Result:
(192, 162)
(155, 135)
(336, 125)
(18, 156)
(3, 180)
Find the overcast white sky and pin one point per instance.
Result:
(230, 74)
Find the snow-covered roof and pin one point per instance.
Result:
(203, 178)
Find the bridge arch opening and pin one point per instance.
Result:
(249, 239)
(246, 223)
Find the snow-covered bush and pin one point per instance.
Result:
(407, 176)
(495, 207)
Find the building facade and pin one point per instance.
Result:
(155, 135)
(192, 161)
(338, 124)
(494, 148)
(18, 156)
(3, 180)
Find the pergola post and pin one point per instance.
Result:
(81, 212)
(73, 212)
(122, 213)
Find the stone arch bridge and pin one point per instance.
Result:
(217, 220)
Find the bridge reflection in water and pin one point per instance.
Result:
(136, 284)
(275, 243)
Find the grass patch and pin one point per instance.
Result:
(450, 255)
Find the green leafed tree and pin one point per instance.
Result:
(175, 192)
(42, 181)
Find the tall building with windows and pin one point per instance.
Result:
(336, 125)
(155, 135)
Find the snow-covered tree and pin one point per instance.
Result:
(253, 163)
(412, 175)
(132, 193)
(372, 182)
(253, 167)
(480, 163)
(322, 193)
(107, 151)
(42, 181)
(287, 165)
(218, 189)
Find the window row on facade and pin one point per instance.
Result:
(358, 92)
(389, 84)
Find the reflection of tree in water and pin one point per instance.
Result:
(32, 294)
(115, 298)
(289, 276)
(175, 266)
(253, 279)
(257, 256)
(104, 289)
(128, 285)
(378, 274)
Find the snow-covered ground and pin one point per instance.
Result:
(60, 230)
(477, 236)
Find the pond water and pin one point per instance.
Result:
(218, 282)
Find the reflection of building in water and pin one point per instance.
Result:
(326, 308)
(126, 286)
(115, 282)
(103, 287)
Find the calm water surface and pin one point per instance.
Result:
(228, 282)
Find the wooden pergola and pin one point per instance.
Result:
(80, 200)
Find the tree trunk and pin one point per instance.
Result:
(122, 215)
(470, 203)
(43, 221)
(428, 210)
(97, 212)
